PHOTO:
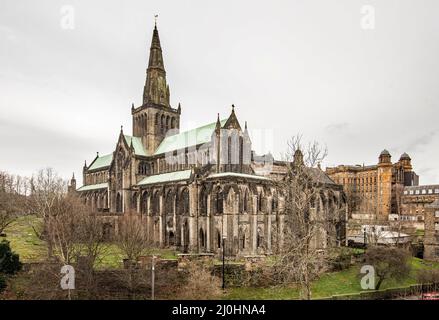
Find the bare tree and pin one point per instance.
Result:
(77, 237)
(307, 229)
(47, 188)
(131, 237)
(13, 191)
(132, 241)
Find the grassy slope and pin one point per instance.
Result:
(334, 283)
(24, 240)
(31, 249)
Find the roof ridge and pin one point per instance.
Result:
(206, 125)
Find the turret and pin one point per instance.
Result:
(406, 161)
(72, 187)
(385, 157)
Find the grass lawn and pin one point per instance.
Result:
(31, 249)
(334, 283)
(24, 241)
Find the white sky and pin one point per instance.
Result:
(288, 66)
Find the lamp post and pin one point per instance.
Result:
(224, 250)
(365, 239)
(152, 276)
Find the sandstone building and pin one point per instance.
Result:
(415, 201)
(431, 238)
(192, 189)
(376, 190)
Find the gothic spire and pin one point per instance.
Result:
(218, 124)
(155, 52)
(156, 90)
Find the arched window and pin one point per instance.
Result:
(260, 202)
(162, 123)
(218, 201)
(203, 201)
(134, 201)
(119, 208)
(184, 202)
(245, 204)
(218, 239)
(241, 239)
(156, 204)
(202, 239)
(172, 123)
(169, 203)
(167, 123)
(144, 204)
(259, 239)
(171, 238)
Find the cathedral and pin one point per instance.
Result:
(195, 189)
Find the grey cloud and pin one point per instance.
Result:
(421, 141)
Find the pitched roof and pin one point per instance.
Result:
(101, 162)
(189, 138)
(137, 144)
(320, 176)
(166, 177)
(93, 187)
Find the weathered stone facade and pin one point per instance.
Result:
(375, 190)
(192, 189)
(431, 238)
(414, 204)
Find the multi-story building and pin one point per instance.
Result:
(374, 191)
(414, 203)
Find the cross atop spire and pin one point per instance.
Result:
(155, 20)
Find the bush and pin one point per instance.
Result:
(428, 276)
(389, 262)
(200, 284)
(9, 261)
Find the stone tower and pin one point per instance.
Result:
(384, 185)
(155, 117)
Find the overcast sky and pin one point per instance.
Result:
(287, 66)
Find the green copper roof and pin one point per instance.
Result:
(239, 175)
(94, 187)
(101, 162)
(166, 177)
(137, 144)
(188, 138)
